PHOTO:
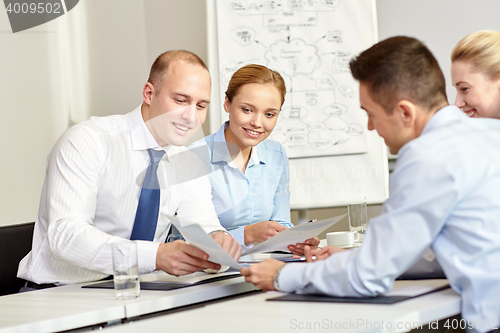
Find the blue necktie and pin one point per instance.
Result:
(146, 216)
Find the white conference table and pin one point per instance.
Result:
(254, 314)
(71, 307)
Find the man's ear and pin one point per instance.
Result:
(148, 92)
(407, 111)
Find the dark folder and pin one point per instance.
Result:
(366, 300)
(163, 285)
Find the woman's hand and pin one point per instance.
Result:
(298, 248)
(320, 254)
(261, 231)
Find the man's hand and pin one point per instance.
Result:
(179, 258)
(320, 254)
(228, 243)
(262, 231)
(262, 274)
(298, 249)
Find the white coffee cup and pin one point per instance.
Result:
(342, 238)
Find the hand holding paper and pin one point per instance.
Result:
(294, 235)
(197, 237)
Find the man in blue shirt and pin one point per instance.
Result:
(445, 192)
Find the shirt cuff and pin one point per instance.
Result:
(289, 279)
(284, 223)
(146, 256)
(239, 235)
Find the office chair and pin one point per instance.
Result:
(15, 243)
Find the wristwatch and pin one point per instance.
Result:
(224, 231)
(276, 278)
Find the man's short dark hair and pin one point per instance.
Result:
(400, 68)
(161, 64)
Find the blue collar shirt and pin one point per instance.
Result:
(261, 193)
(444, 193)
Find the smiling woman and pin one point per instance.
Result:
(253, 113)
(475, 73)
(249, 173)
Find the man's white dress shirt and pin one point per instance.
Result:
(90, 196)
(444, 193)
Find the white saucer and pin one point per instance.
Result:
(350, 246)
(323, 243)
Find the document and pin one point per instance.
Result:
(196, 236)
(297, 234)
(259, 257)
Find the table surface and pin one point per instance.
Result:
(70, 307)
(253, 314)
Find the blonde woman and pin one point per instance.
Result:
(475, 73)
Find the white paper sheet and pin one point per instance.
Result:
(259, 257)
(294, 235)
(196, 236)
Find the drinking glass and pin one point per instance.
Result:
(125, 270)
(357, 218)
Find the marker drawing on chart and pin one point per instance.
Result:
(310, 43)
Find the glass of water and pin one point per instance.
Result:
(357, 218)
(125, 270)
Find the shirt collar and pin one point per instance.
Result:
(141, 137)
(257, 155)
(448, 114)
(220, 152)
(219, 146)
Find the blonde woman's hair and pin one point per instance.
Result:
(481, 49)
(255, 74)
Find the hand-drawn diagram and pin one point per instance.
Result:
(310, 43)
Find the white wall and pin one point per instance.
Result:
(107, 47)
(31, 118)
(112, 43)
